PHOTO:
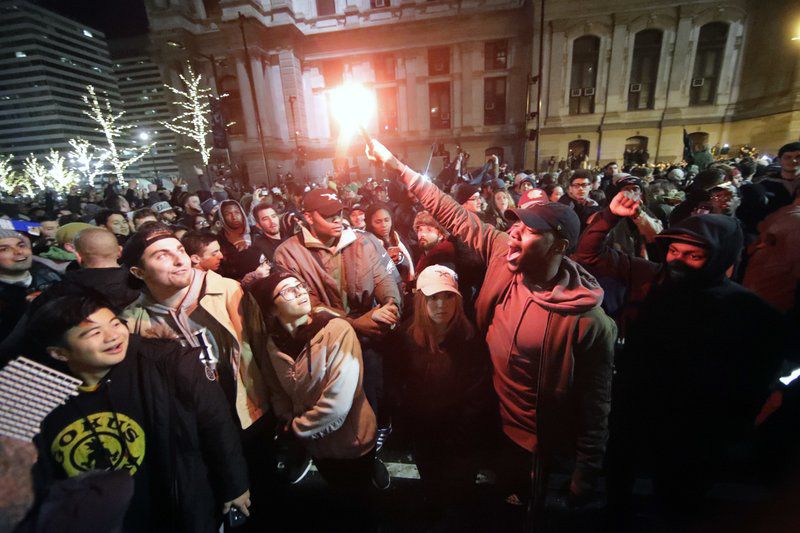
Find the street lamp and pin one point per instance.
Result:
(144, 137)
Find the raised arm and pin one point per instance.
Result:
(483, 238)
(603, 260)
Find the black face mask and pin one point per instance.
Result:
(680, 273)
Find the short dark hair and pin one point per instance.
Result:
(581, 174)
(791, 147)
(263, 206)
(142, 213)
(747, 167)
(102, 217)
(194, 242)
(51, 321)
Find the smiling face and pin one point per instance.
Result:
(94, 345)
(15, 256)
(164, 266)
(117, 225)
(441, 307)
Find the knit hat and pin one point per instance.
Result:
(68, 232)
(263, 290)
(10, 234)
(519, 178)
(424, 218)
(464, 192)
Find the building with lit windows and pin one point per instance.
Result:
(145, 101)
(623, 80)
(46, 61)
(443, 72)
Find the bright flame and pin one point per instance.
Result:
(352, 105)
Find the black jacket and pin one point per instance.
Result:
(13, 298)
(110, 284)
(700, 353)
(194, 455)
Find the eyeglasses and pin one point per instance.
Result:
(293, 291)
(581, 185)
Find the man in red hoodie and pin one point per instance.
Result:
(550, 343)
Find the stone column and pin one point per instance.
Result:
(262, 94)
(248, 110)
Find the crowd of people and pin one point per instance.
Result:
(609, 323)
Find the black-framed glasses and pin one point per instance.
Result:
(293, 291)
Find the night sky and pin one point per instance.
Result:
(116, 18)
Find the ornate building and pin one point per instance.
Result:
(622, 80)
(443, 71)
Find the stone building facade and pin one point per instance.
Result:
(624, 79)
(444, 72)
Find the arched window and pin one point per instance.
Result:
(494, 150)
(644, 70)
(578, 154)
(708, 63)
(636, 151)
(585, 52)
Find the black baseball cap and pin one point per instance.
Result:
(323, 200)
(139, 241)
(551, 216)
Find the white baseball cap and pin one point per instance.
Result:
(437, 278)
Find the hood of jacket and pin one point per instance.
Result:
(245, 231)
(574, 290)
(721, 235)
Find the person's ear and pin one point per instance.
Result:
(137, 272)
(195, 259)
(68, 246)
(78, 257)
(119, 252)
(58, 353)
(561, 246)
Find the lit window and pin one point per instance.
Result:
(20, 54)
(87, 33)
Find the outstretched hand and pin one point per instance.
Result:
(375, 151)
(624, 206)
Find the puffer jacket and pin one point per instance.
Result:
(575, 398)
(320, 393)
(369, 273)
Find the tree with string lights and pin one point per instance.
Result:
(12, 182)
(59, 176)
(35, 173)
(113, 128)
(194, 103)
(87, 160)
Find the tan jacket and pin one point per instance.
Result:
(238, 313)
(321, 393)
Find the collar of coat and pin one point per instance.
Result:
(347, 238)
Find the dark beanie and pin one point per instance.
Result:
(791, 147)
(464, 192)
(263, 289)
